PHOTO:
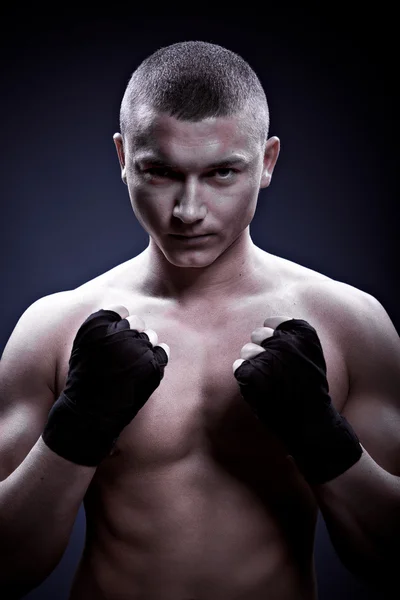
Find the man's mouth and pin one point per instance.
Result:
(189, 237)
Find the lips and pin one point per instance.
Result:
(189, 237)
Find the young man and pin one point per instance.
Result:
(202, 460)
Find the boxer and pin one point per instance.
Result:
(205, 398)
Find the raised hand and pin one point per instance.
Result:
(115, 366)
(282, 376)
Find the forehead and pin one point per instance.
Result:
(208, 139)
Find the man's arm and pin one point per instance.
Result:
(282, 375)
(40, 492)
(361, 506)
(114, 367)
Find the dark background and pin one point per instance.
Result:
(330, 79)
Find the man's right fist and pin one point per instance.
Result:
(113, 370)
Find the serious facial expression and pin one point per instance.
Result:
(193, 185)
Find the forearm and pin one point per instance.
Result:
(361, 508)
(39, 502)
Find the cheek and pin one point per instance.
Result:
(239, 208)
(150, 209)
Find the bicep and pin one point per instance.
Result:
(376, 422)
(26, 396)
(373, 404)
(20, 428)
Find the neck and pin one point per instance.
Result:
(234, 273)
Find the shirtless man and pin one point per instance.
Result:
(196, 487)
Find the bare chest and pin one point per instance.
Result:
(197, 406)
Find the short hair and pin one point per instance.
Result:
(195, 80)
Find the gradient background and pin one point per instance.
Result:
(65, 214)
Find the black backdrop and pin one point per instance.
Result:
(65, 215)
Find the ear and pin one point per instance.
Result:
(271, 154)
(119, 145)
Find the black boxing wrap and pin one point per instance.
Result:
(113, 370)
(287, 388)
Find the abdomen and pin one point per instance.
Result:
(193, 530)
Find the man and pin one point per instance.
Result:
(202, 460)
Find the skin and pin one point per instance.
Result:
(198, 500)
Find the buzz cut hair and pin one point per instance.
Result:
(195, 80)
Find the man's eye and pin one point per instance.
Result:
(224, 173)
(158, 172)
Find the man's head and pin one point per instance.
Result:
(189, 110)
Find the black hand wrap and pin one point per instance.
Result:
(287, 388)
(113, 370)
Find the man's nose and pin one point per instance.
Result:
(189, 206)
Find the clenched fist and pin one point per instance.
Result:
(115, 366)
(282, 376)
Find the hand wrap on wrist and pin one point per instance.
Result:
(113, 370)
(287, 388)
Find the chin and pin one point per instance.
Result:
(196, 260)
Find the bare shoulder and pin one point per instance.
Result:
(47, 315)
(333, 302)
(355, 319)
(44, 330)
(46, 326)
(32, 345)
(38, 323)
(64, 309)
(357, 316)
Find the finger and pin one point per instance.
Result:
(166, 348)
(273, 322)
(153, 337)
(119, 309)
(237, 364)
(136, 322)
(261, 333)
(250, 350)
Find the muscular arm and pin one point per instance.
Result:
(40, 492)
(39, 502)
(361, 507)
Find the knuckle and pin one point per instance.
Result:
(136, 322)
(259, 330)
(247, 347)
(152, 335)
(120, 309)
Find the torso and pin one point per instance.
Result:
(199, 501)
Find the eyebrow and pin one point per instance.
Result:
(234, 160)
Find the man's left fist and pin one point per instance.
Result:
(282, 376)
